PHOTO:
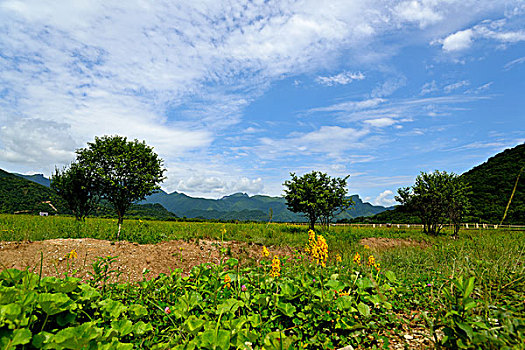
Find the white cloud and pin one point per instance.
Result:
(420, 12)
(340, 79)
(385, 198)
(428, 88)
(451, 87)
(458, 41)
(500, 31)
(380, 122)
(513, 63)
(217, 187)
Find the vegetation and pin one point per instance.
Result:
(317, 196)
(77, 187)
(20, 195)
(123, 172)
(436, 197)
(464, 293)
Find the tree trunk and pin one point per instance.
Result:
(120, 221)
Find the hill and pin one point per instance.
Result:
(240, 206)
(491, 186)
(38, 178)
(20, 195)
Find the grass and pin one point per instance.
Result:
(434, 279)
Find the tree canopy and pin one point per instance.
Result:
(123, 171)
(434, 198)
(317, 196)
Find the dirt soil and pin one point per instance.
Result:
(133, 258)
(381, 243)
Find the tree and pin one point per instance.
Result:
(124, 171)
(76, 186)
(317, 195)
(434, 198)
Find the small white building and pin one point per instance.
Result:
(44, 213)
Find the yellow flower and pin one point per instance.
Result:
(366, 246)
(371, 260)
(357, 258)
(265, 252)
(72, 254)
(317, 248)
(227, 281)
(276, 267)
(338, 258)
(377, 266)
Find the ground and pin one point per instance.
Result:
(133, 259)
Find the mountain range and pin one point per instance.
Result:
(162, 205)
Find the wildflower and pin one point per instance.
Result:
(243, 288)
(167, 310)
(371, 260)
(366, 246)
(377, 267)
(227, 281)
(265, 252)
(357, 258)
(429, 284)
(276, 267)
(72, 254)
(338, 258)
(317, 248)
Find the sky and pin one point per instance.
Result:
(236, 95)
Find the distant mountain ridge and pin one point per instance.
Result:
(237, 206)
(240, 206)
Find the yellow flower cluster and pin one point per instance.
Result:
(276, 267)
(265, 252)
(317, 248)
(357, 258)
(227, 281)
(338, 258)
(371, 260)
(72, 254)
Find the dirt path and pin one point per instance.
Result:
(133, 259)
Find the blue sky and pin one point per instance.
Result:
(235, 96)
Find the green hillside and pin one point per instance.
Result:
(21, 195)
(491, 185)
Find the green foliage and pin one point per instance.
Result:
(53, 313)
(21, 195)
(77, 187)
(317, 196)
(123, 172)
(436, 197)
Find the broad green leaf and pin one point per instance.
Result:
(469, 287)
(53, 303)
(140, 328)
(10, 311)
(193, 324)
(466, 328)
(113, 308)
(137, 311)
(391, 277)
(287, 308)
(363, 309)
(20, 337)
(123, 326)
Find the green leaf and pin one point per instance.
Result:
(391, 277)
(141, 328)
(363, 309)
(21, 336)
(53, 303)
(113, 308)
(469, 287)
(466, 328)
(137, 311)
(287, 308)
(10, 311)
(124, 326)
(193, 324)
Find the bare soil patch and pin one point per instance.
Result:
(381, 243)
(133, 258)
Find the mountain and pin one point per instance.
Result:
(38, 178)
(240, 206)
(491, 184)
(20, 195)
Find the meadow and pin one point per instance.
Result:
(467, 292)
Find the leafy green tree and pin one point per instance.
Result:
(124, 171)
(436, 197)
(76, 186)
(317, 196)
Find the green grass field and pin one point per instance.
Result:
(463, 293)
